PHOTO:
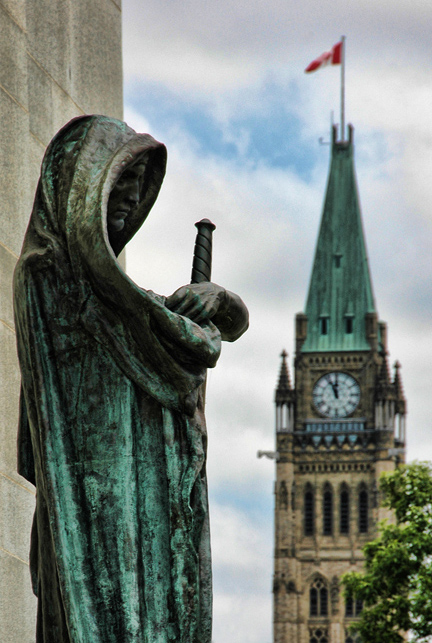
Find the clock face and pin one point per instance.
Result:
(336, 395)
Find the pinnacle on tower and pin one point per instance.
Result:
(284, 390)
(284, 383)
(383, 383)
(397, 382)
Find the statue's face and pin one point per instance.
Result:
(124, 196)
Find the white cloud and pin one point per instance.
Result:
(242, 618)
(241, 58)
(204, 47)
(242, 558)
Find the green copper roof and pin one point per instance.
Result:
(340, 290)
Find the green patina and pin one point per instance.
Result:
(112, 429)
(340, 292)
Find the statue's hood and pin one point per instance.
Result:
(80, 168)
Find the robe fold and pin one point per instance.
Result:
(112, 430)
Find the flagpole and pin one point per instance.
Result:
(343, 90)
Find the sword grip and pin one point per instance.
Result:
(202, 259)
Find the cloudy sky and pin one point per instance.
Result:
(222, 84)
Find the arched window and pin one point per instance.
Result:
(353, 607)
(344, 510)
(313, 595)
(318, 595)
(363, 511)
(318, 636)
(327, 511)
(349, 606)
(309, 512)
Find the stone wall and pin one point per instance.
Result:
(60, 59)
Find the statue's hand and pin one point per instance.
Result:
(198, 302)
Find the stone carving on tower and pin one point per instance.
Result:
(337, 429)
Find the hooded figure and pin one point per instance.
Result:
(112, 430)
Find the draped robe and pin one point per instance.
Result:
(112, 430)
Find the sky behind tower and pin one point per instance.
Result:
(222, 84)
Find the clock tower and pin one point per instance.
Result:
(338, 427)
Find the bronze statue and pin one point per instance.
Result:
(112, 428)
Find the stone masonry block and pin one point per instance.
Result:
(14, 126)
(63, 109)
(40, 102)
(49, 37)
(16, 517)
(13, 69)
(50, 106)
(90, 57)
(35, 155)
(9, 395)
(16, 10)
(17, 604)
(7, 265)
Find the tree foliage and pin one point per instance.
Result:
(396, 586)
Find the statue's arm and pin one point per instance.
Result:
(208, 301)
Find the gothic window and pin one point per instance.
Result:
(353, 607)
(318, 595)
(324, 325)
(309, 512)
(313, 601)
(363, 511)
(327, 511)
(324, 601)
(349, 606)
(352, 637)
(344, 511)
(349, 324)
(318, 636)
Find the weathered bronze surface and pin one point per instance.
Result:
(112, 429)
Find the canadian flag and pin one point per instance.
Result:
(332, 57)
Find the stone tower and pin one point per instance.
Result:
(337, 428)
(60, 59)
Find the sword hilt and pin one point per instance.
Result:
(202, 259)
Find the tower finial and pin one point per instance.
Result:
(397, 382)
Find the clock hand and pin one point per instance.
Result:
(336, 386)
